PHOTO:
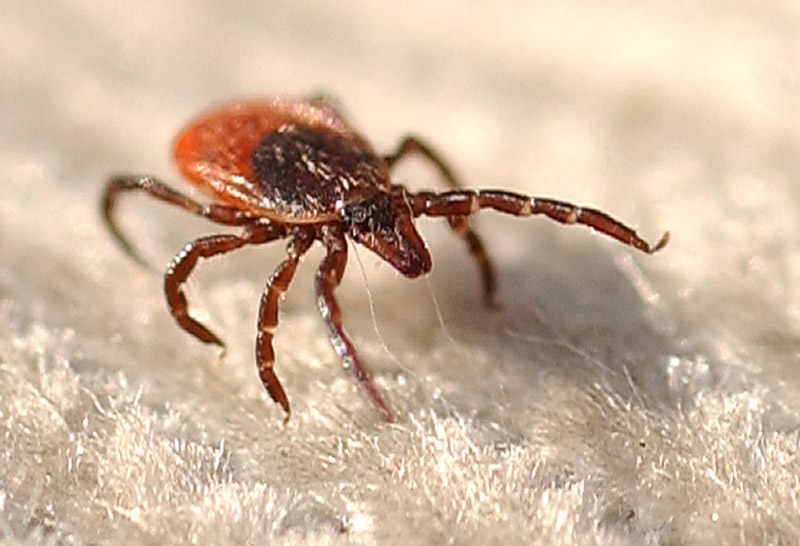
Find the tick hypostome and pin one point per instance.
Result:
(296, 169)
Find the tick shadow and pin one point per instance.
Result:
(571, 311)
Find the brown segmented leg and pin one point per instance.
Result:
(206, 247)
(466, 202)
(328, 277)
(413, 145)
(460, 224)
(268, 314)
(116, 185)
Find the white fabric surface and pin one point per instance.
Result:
(617, 398)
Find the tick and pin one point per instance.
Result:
(297, 170)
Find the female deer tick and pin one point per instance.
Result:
(296, 169)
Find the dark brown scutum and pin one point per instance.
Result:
(298, 169)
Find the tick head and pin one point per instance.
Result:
(385, 226)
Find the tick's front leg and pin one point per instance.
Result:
(183, 263)
(268, 315)
(468, 202)
(329, 275)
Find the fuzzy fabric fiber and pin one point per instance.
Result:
(616, 398)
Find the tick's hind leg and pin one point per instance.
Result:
(268, 314)
(460, 224)
(155, 188)
(183, 263)
(329, 275)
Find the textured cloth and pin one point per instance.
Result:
(615, 398)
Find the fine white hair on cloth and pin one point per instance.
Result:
(615, 398)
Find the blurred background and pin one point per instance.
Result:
(616, 398)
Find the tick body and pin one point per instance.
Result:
(296, 170)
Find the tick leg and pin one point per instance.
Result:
(268, 315)
(413, 145)
(155, 188)
(466, 202)
(182, 264)
(460, 224)
(329, 275)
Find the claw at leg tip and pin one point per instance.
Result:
(661, 243)
(387, 414)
